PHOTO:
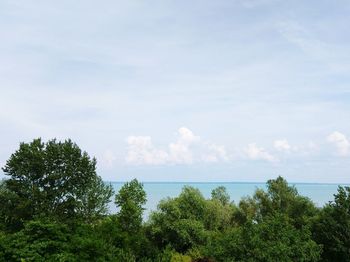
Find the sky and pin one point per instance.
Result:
(234, 90)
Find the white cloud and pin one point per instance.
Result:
(142, 151)
(341, 143)
(254, 152)
(187, 149)
(215, 153)
(180, 152)
(186, 136)
(282, 145)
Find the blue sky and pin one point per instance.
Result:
(240, 90)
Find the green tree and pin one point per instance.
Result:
(279, 198)
(178, 222)
(42, 240)
(332, 228)
(276, 239)
(52, 179)
(127, 223)
(221, 195)
(130, 199)
(186, 221)
(218, 216)
(37, 241)
(273, 239)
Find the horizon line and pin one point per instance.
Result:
(227, 182)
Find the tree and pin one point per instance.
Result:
(178, 222)
(221, 195)
(127, 223)
(279, 198)
(52, 179)
(43, 240)
(273, 239)
(37, 241)
(130, 199)
(332, 228)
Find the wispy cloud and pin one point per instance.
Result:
(333, 55)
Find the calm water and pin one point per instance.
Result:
(318, 193)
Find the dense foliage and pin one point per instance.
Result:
(53, 207)
(52, 180)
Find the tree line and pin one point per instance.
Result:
(54, 207)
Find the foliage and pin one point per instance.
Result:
(46, 241)
(185, 221)
(177, 257)
(130, 199)
(126, 225)
(221, 195)
(38, 241)
(53, 179)
(332, 228)
(279, 198)
(53, 207)
(275, 239)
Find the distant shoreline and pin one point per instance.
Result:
(219, 182)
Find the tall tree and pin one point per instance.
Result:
(130, 199)
(127, 223)
(53, 179)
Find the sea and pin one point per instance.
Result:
(320, 194)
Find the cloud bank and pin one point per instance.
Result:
(190, 148)
(187, 149)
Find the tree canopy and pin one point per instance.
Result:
(54, 207)
(52, 179)
(332, 227)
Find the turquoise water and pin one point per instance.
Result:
(320, 194)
